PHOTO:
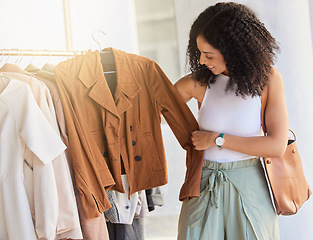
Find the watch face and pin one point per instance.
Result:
(219, 141)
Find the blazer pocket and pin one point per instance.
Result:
(151, 152)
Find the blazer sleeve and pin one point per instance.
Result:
(182, 122)
(172, 106)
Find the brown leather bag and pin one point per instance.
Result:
(285, 174)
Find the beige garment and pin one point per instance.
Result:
(41, 190)
(22, 123)
(93, 228)
(58, 111)
(67, 220)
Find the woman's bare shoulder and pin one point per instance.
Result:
(189, 88)
(186, 80)
(275, 79)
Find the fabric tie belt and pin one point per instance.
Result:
(216, 178)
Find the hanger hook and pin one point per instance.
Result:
(49, 57)
(93, 37)
(2, 53)
(21, 56)
(33, 57)
(9, 55)
(18, 56)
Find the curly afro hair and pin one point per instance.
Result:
(246, 45)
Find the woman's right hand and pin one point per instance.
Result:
(203, 139)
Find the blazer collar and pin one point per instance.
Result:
(9, 67)
(36, 71)
(91, 74)
(126, 81)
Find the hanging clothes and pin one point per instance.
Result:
(94, 228)
(39, 180)
(53, 208)
(21, 124)
(154, 198)
(48, 79)
(127, 231)
(128, 209)
(101, 128)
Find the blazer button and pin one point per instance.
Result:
(133, 143)
(137, 158)
(131, 128)
(105, 154)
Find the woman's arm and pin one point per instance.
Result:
(276, 119)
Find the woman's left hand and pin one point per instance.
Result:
(203, 139)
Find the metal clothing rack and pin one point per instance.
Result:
(68, 36)
(30, 52)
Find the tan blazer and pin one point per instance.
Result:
(103, 131)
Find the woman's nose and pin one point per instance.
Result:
(202, 59)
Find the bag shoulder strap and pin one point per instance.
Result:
(263, 106)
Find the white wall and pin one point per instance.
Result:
(33, 24)
(39, 24)
(289, 22)
(292, 29)
(116, 18)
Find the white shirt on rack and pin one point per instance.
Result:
(49, 188)
(21, 124)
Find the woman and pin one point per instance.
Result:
(231, 55)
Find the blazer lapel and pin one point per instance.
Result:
(127, 85)
(92, 76)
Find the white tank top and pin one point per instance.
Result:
(224, 112)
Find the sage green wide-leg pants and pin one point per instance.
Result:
(234, 204)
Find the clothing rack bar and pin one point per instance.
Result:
(29, 52)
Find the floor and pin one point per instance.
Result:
(161, 228)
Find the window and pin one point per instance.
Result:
(157, 35)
